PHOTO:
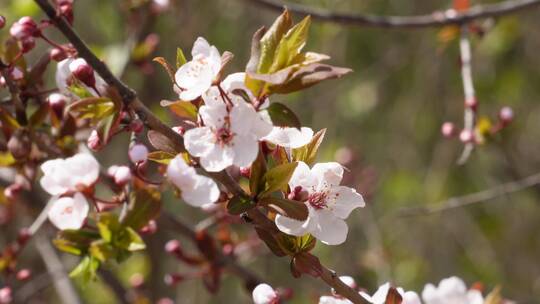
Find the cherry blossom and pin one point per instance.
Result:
(451, 291)
(265, 294)
(379, 297)
(230, 134)
(197, 190)
(329, 204)
(69, 212)
(70, 174)
(120, 174)
(290, 137)
(196, 76)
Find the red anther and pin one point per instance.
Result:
(245, 172)
(23, 274)
(172, 279)
(136, 126)
(57, 54)
(448, 129)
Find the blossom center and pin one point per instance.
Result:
(224, 136)
(67, 210)
(318, 200)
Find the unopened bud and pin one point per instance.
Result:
(466, 136)
(2, 22)
(245, 171)
(471, 103)
(83, 72)
(23, 236)
(448, 129)
(136, 280)
(120, 174)
(172, 279)
(57, 102)
(136, 126)
(23, 274)
(12, 191)
(57, 54)
(24, 28)
(506, 115)
(93, 142)
(138, 153)
(17, 74)
(149, 228)
(20, 144)
(179, 129)
(27, 44)
(172, 247)
(5, 295)
(66, 10)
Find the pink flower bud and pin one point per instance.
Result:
(138, 153)
(27, 44)
(93, 142)
(136, 126)
(12, 191)
(172, 279)
(17, 74)
(2, 21)
(471, 103)
(466, 136)
(83, 72)
(5, 295)
(172, 247)
(57, 54)
(66, 10)
(23, 236)
(245, 171)
(150, 228)
(57, 102)
(24, 28)
(120, 174)
(448, 129)
(23, 274)
(506, 115)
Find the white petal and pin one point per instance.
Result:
(330, 229)
(204, 192)
(212, 97)
(264, 294)
(262, 125)
(474, 297)
(411, 297)
(218, 158)
(302, 177)
(379, 297)
(214, 61)
(294, 227)
(138, 153)
(62, 75)
(69, 212)
(349, 281)
(290, 137)
(430, 294)
(333, 300)
(214, 115)
(343, 200)
(200, 47)
(84, 168)
(234, 81)
(242, 118)
(195, 78)
(245, 150)
(199, 141)
(328, 174)
(180, 174)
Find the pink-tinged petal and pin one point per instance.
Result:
(180, 174)
(63, 74)
(294, 227)
(343, 200)
(218, 158)
(262, 125)
(290, 137)
(199, 141)
(430, 294)
(200, 47)
(69, 212)
(245, 150)
(214, 61)
(330, 229)
(302, 177)
(234, 81)
(212, 97)
(205, 191)
(333, 300)
(411, 297)
(328, 174)
(57, 178)
(264, 294)
(214, 115)
(85, 167)
(474, 297)
(194, 78)
(242, 117)
(379, 297)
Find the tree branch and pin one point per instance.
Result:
(436, 19)
(473, 198)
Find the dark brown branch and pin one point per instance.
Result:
(20, 112)
(436, 19)
(474, 198)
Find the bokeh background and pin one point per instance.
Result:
(383, 123)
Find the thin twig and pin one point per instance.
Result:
(474, 198)
(20, 112)
(471, 103)
(436, 19)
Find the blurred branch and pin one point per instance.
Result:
(436, 19)
(471, 104)
(473, 198)
(15, 94)
(116, 286)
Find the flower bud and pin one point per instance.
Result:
(93, 142)
(5, 295)
(136, 126)
(179, 129)
(27, 44)
(2, 22)
(138, 153)
(57, 102)
(12, 191)
(506, 115)
(24, 28)
(20, 144)
(448, 129)
(23, 236)
(172, 279)
(17, 74)
(66, 10)
(120, 174)
(57, 54)
(466, 136)
(471, 103)
(172, 247)
(23, 274)
(245, 172)
(83, 72)
(150, 228)
(136, 280)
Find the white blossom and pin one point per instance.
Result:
(196, 76)
(451, 291)
(230, 133)
(290, 137)
(264, 294)
(196, 190)
(69, 212)
(333, 300)
(68, 175)
(379, 297)
(120, 174)
(329, 204)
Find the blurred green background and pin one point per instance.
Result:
(383, 123)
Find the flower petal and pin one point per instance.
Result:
(205, 191)
(264, 294)
(330, 229)
(343, 200)
(328, 174)
(200, 47)
(218, 158)
(214, 115)
(245, 150)
(290, 137)
(69, 212)
(199, 141)
(294, 227)
(242, 118)
(303, 177)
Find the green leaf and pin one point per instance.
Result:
(86, 270)
(75, 241)
(307, 76)
(136, 243)
(291, 45)
(94, 108)
(258, 169)
(144, 205)
(108, 225)
(161, 157)
(289, 208)
(102, 250)
(282, 116)
(184, 109)
(271, 39)
(254, 85)
(240, 204)
(180, 58)
(80, 90)
(278, 178)
(308, 153)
